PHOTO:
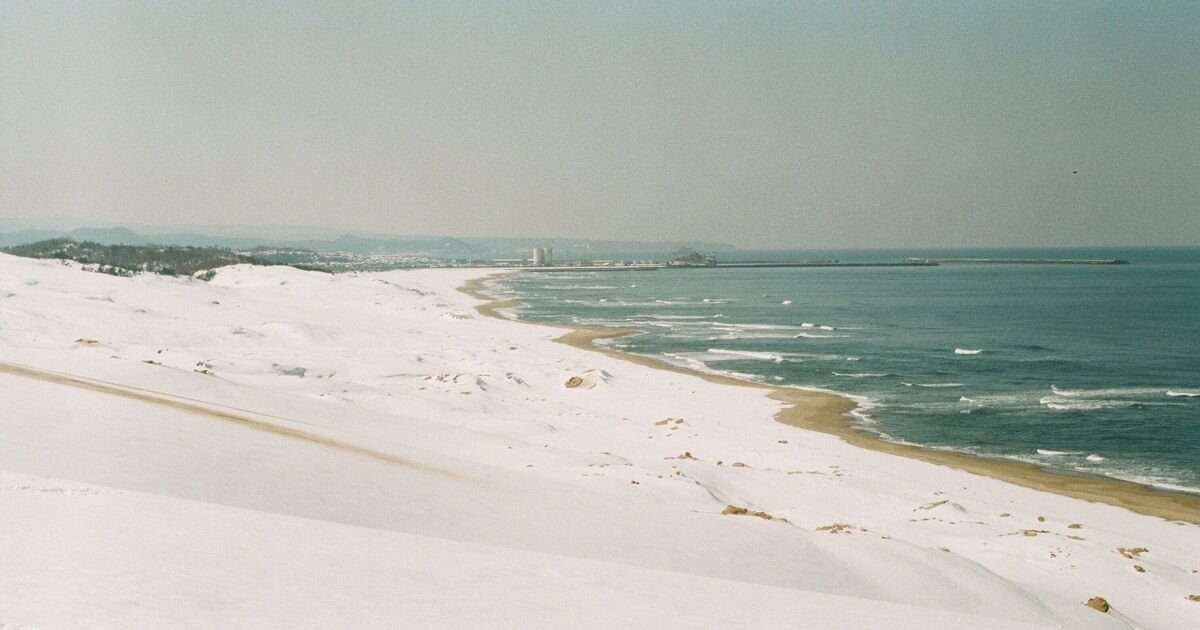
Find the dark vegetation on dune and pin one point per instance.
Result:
(126, 260)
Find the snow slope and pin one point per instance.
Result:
(278, 448)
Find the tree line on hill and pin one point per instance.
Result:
(126, 260)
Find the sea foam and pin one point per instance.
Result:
(747, 354)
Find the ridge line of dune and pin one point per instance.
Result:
(212, 410)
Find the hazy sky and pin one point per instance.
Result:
(794, 124)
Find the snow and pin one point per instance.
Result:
(279, 448)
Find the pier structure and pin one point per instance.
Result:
(1020, 261)
(543, 264)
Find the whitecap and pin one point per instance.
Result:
(810, 356)
(786, 302)
(812, 336)
(1095, 458)
(939, 384)
(826, 327)
(1182, 394)
(1157, 481)
(860, 374)
(747, 354)
(1042, 451)
(1105, 392)
(965, 351)
(1075, 404)
(688, 362)
(752, 326)
(677, 317)
(807, 325)
(862, 408)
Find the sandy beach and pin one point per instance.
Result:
(577, 315)
(828, 413)
(281, 448)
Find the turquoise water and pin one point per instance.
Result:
(1086, 368)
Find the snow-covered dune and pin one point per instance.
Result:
(279, 448)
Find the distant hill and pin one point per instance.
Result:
(442, 247)
(126, 260)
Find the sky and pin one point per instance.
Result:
(791, 124)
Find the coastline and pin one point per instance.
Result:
(636, 494)
(828, 413)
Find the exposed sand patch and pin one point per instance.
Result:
(838, 528)
(739, 511)
(1133, 552)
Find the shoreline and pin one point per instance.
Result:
(828, 413)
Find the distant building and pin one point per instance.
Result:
(542, 256)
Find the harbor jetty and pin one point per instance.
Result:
(1018, 261)
(824, 263)
(709, 262)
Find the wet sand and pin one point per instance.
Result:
(828, 413)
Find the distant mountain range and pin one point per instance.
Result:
(22, 231)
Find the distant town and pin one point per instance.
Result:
(127, 260)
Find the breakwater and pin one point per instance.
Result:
(1018, 261)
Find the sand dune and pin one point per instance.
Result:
(428, 469)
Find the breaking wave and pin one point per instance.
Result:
(1107, 392)
(1057, 403)
(747, 354)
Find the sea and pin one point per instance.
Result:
(1079, 368)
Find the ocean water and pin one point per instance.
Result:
(1094, 369)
